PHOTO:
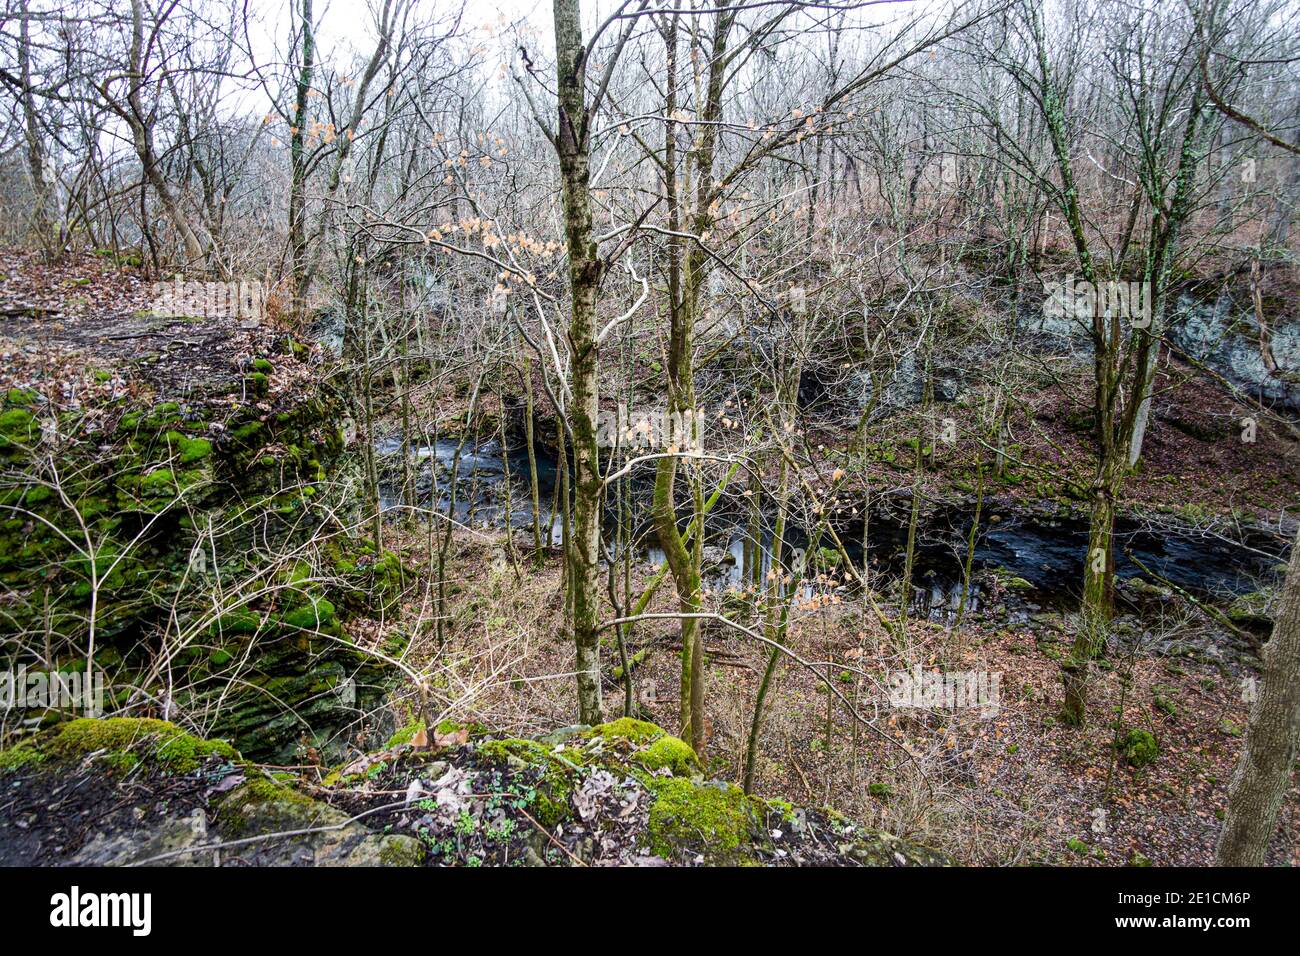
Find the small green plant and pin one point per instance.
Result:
(500, 833)
(466, 825)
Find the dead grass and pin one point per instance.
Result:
(1012, 787)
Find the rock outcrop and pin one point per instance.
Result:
(136, 791)
(205, 540)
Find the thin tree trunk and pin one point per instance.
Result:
(298, 161)
(585, 267)
(532, 462)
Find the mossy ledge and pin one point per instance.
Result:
(122, 743)
(156, 794)
(624, 792)
(689, 819)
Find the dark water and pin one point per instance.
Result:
(1045, 552)
(481, 489)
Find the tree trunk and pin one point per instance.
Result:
(1268, 754)
(298, 163)
(1146, 380)
(583, 547)
(140, 121)
(42, 220)
(1094, 615)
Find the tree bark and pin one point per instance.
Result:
(298, 162)
(583, 546)
(1268, 754)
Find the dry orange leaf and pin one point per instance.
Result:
(453, 739)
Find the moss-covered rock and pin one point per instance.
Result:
(122, 742)
(18, 429)
(713, 819)
(176, 808)
(1254, 611)
(1138, 747)
(596, 795)
(669, 753)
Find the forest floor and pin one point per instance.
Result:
(86, 331)
(1003, 785)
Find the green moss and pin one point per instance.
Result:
(549, 810)
(1138, 747)
(37, 494)
(314, 616)
(626, 728)
(18, 427)
(646, 744)
(671, 753)
(299, 572)
(20, 756)
(234, 623)
(448, 727)
(265, 790)
(263, 365)
(636, 660)
(1254, 610)
(157, 483)
(713, 819)
(405, 734)
(526, 751)
(400, 851)
(558, 771)
(248, 432)
(1162, 700)
(120, 761)
(260, 804)
(783, 808)
(154, 742)
(162, 415)
(189, 450)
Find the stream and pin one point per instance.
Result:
(1046, 552)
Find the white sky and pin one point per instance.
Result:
(345, 25)
(345, 30)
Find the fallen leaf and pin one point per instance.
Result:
(454, 739)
